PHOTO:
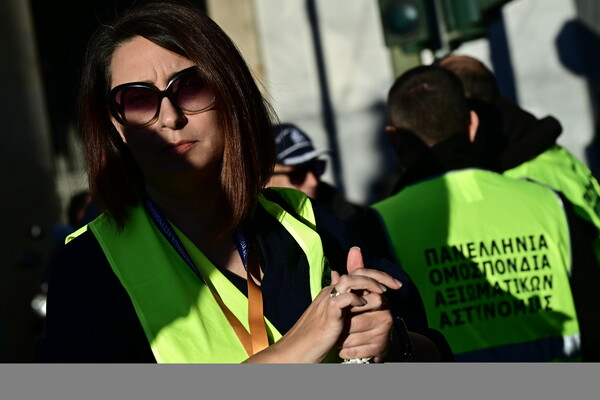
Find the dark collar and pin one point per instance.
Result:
(451, 154)
(509, 136)
(527, 136)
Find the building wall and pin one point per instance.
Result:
(545, 80)
(355, 71)
(358, 74)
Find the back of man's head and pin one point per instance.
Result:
(483, 96)
(429, 102)
(478, 81)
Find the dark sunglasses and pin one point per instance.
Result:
(137, 104)
(298, 175)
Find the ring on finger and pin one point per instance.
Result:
(334, 293)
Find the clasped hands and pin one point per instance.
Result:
(367, 321)
(358, 321)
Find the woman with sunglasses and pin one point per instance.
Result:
(192, 260)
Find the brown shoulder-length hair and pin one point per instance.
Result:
(245, 117)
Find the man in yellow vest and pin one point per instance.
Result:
(514, 142)
(491, 255)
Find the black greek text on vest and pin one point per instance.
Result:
(484, 280)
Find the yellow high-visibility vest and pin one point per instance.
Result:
(180, 317)
(490, 256)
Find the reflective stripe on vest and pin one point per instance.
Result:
(494, 286)
(180, 317)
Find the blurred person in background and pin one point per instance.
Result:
(514, 142)
(79, 212)
(300, 166)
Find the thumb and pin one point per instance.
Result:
(355, 260)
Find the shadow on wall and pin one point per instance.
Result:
(501, 58)
(578, 49)
(382, 186)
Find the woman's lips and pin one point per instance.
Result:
(180, 147)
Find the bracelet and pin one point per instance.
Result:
(357, 360)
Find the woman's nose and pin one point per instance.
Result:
(170, 115)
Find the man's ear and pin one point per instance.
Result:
(473, 125)
(392, 133)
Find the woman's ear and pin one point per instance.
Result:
(118, 128)
(473, 125)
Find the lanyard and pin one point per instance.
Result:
(165, 228)
(257, 339)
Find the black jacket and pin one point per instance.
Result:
(509, 136)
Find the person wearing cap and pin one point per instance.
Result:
(299, 165)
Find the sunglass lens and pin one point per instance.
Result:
(298, 176)
(319, 167)
(190, 93)
(136, 105)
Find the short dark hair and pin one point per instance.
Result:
(429, 102)
(244, 115)
(478, 80)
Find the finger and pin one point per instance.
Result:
(335, 277)
(355, 260)
(348, 283)
(380, 276)
(346, 300)
(374, 302)
(355, 265)
(366, 337)
(376, 347)
(372, 321)
(368, 340)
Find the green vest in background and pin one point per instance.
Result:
(561, 170)
(180, 317)
(491, 258)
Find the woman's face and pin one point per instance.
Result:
(177, 149)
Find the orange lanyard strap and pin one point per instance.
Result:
(235, 323)
(257, 339)
(258, 331)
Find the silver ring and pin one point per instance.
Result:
(334, 293)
